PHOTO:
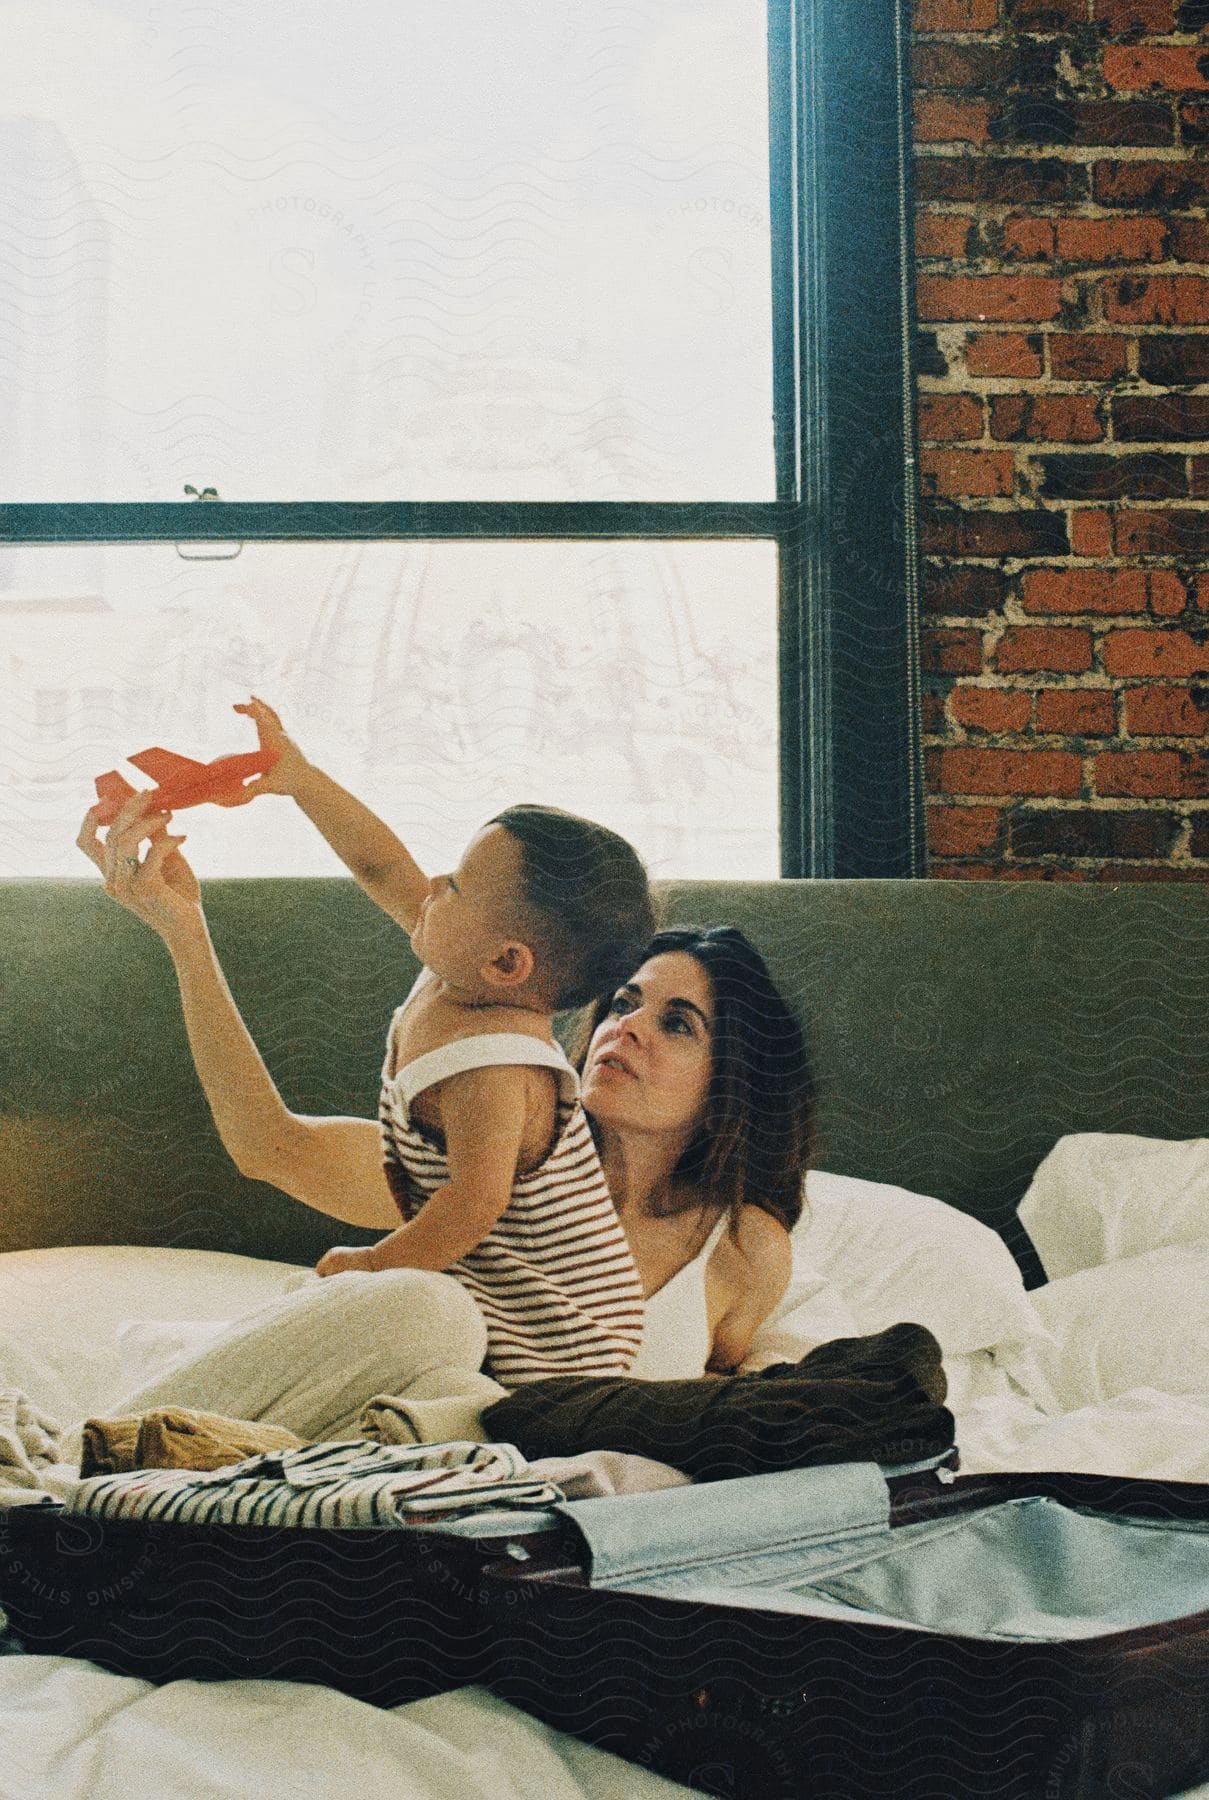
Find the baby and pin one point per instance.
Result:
(487, 1149)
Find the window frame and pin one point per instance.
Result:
(844, 516)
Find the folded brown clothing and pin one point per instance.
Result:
(176, 1437)
(866, 1399)
(109, 1444)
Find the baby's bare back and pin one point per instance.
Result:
(431, 1020)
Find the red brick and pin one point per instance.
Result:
(1160, 418)
(1090, 531)
(1162, 532)
(1038, 772)
(951, 652)
(1084, 591)
(956, 15)
(970, 871)
(1173, 359)
(1092, 831)
(1087, 356)
(1166, 186)
(964, 589)
(1101, 590)
(943, 234)
(1023, 647)
(1111, 240)
(1046, 418)
(1174, 774)
(1049, 121)
(1028, 239)
(962, 830)
(1156, 16)
(991, 709)
(1003, 353)
(1009, 415)
(1167, 712)
(1157, 299)
(1168, 594)
(1147, 475)
(946, 417)
(1077, 712)
(1188, 240)
(1149, 872)
(1046, 15)
(1161, 651)
(941, 119)
(1177, 67)
(1020, 532)
(1001, 180)
(994, 66)
(981, 474)
(1007, 298)
(1201, 593)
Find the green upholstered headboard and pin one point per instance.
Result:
(957, 1030)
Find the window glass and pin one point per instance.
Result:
(403, 249)
(632, 682)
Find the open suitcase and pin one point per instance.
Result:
(825, 1633)
(1033, 1637)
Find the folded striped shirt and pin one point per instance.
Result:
(354, 1484)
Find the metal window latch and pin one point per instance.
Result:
(214, 551)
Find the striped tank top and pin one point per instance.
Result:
(554, 1279)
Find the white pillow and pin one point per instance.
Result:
(1140, 1322)
(1099, 1197)
(896, 1255)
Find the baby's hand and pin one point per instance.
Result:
(339, 1262)
(291, 763)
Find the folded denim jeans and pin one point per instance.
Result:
(865, 1399)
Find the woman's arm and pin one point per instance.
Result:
(332, 1164)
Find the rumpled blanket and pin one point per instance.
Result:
(29, 1441)
(863, 1399)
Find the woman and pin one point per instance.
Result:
(695, 1080)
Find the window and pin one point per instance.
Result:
(511, 340)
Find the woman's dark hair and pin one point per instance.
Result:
(587, 899)
(754, 1146)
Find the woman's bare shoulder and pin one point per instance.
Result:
(762, 1245)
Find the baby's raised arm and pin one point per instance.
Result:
(483, 1115)
(373, 855)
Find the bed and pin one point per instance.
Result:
(974, 1046)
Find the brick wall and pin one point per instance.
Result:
(1062, 184)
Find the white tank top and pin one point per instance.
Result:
(675, 1333)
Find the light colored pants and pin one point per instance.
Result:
(309, 1359)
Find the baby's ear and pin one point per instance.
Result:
(513, 966)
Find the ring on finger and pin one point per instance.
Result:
(132, 862)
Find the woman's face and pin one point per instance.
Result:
(650, 1060)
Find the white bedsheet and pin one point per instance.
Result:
(70, 1731)
(74, 1334)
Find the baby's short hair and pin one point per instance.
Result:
(587, 897)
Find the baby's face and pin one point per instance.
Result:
(467, 915)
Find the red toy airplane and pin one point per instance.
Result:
(180, 781)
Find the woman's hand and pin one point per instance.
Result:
(340, 1262)
(291, 764)
(160, 888)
